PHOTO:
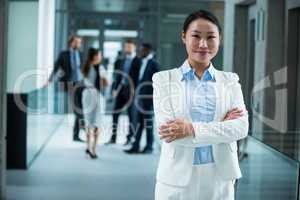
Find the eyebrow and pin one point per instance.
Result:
(201, 32)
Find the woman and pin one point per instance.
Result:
(201, 114)
(92, 99)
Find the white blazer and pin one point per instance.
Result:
(176, 160)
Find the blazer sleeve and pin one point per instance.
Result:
(116, 74)
(162, 108)
(205, 133)
(225, 131)
(57, 65)
(134, 70)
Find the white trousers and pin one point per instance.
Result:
(204, 185)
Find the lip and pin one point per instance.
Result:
(202, 52)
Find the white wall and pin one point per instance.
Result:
(30, 44)
(46, 27)
(22, 45)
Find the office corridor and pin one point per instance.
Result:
(62, 171)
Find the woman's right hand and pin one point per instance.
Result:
(233, 114)
(103, 82)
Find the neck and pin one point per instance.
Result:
(145, 56)
(199, 67)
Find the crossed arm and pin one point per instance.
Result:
(233, 127)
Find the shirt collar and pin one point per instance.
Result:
(72, 50)
(188, 73)
(130, 56)
(149, 57)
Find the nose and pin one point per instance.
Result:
(203, 43)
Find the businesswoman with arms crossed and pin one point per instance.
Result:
(200, 115)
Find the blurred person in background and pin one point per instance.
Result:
(93, 101)
(126, 76)
(67, 69)
(143, 104)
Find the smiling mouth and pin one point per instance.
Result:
(202, 52)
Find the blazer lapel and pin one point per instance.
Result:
(177, 93)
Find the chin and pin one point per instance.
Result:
(202, 61)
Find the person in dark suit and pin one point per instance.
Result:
(143, 104)
(126, 77)
(68, 70)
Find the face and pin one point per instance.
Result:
(144, 52)
(129, 48)
(77, 43)
(97, 59)
(202, 40)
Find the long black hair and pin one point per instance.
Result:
(92, 52)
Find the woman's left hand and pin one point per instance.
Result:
(176, 129)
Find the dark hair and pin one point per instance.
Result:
(147, 46)
(92, 52)
(72, 38)
(130, 41)
(204, 15)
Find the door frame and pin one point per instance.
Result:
(245, 12)
(3, 53)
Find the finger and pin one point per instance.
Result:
(235, 116)
(166, 136)
(170, 121)
(164, 126)
(239, 111)
(162, 137)
(165, 131)
(235, 111)
(170, 139)
(238, 115)
(232, 118)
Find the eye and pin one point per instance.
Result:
(195, 36)
(211, 37)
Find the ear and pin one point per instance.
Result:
(183, 37)
(221, 38)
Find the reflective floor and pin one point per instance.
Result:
(267, 174)
(62, 171)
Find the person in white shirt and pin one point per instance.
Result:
(200, 114)
(93, 101)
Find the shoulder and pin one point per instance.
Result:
(153, 62)
(228, 76)
(64, 53)
(136, 59)
(163, 75)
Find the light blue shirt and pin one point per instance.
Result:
(126, 68)
(201, 102)
(75, 64)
